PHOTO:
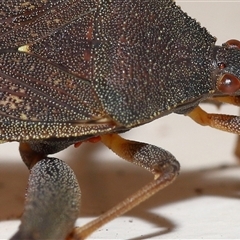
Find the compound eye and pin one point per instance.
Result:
(233, 43)
(228, 84)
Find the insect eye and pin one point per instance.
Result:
(228, 83)
(233, 43)
(221, 65)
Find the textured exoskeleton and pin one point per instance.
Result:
(77, 70)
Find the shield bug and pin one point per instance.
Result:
(75, 71)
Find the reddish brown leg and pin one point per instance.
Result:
(223, 122)
(234, 100)
(161, 163)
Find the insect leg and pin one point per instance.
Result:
(228, 123)
(158, 161)
(52, 202)
(235, 100)
(29, 156)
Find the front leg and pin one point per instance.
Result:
(228, 123)
(161, 163)
(223, 122)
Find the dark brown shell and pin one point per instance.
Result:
(73, 68)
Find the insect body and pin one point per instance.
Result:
(73, 71)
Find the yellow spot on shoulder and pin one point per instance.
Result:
(56, 20)
(24, 4)
(23, 116)
(25, 48)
